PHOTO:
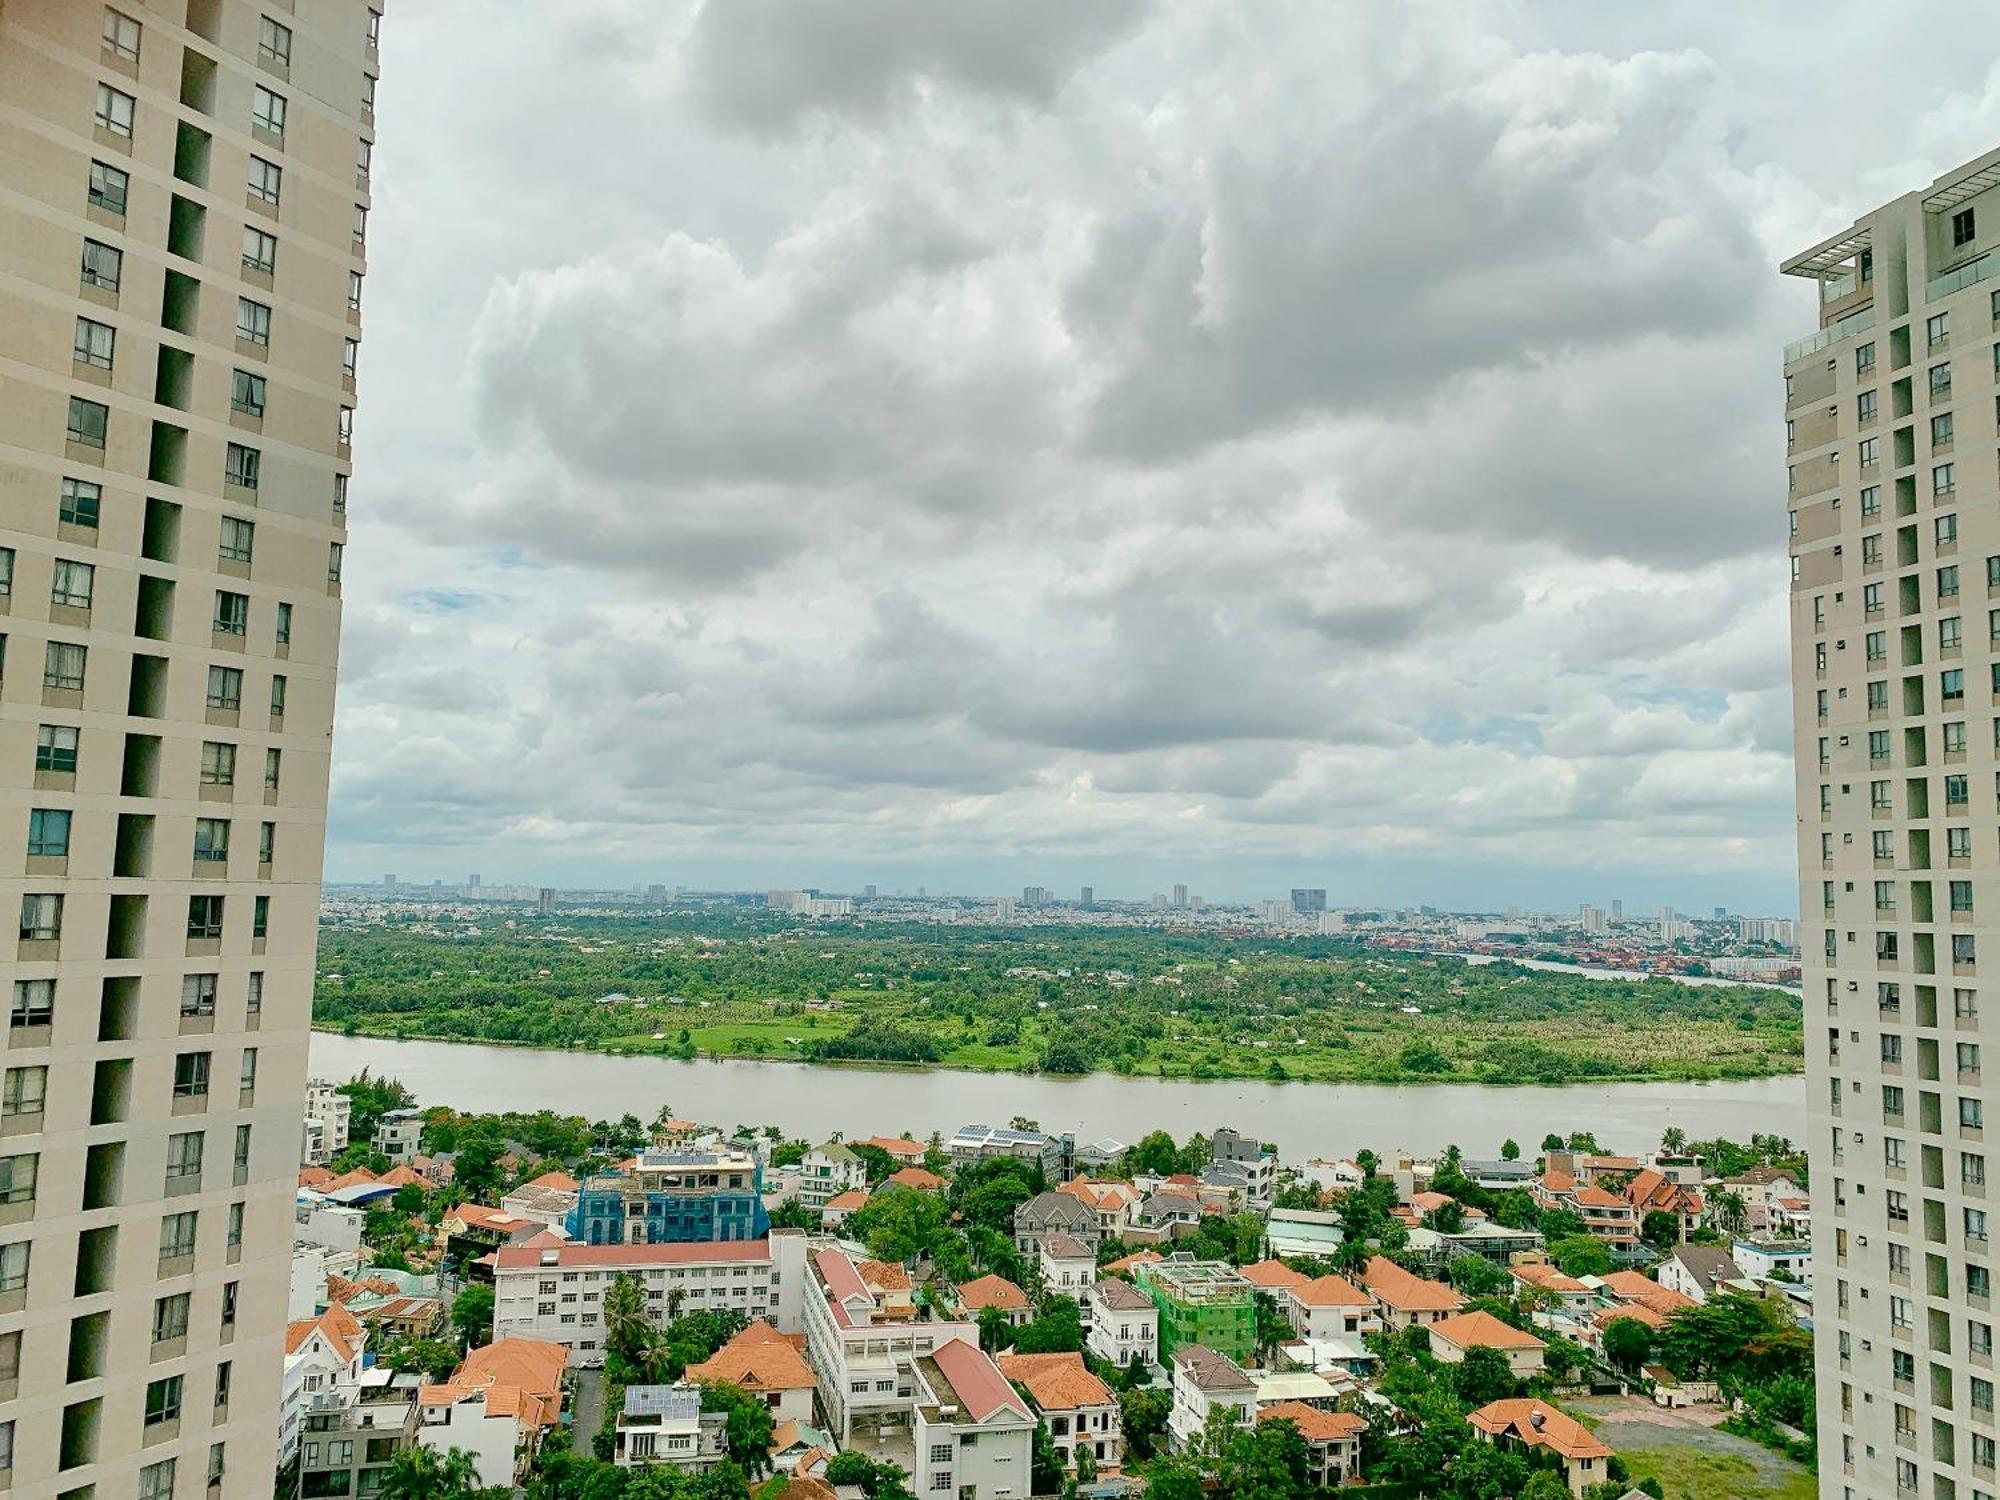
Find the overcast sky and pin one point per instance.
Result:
(1101, 441)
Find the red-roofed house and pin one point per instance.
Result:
(1333, 1436)
(835, 1210)
(1529, 1423)
(1604, 1214)
(768, 1366)
(916, 1177)
(899, 1148)
(1454, 1338)
(982, 1292)
(1404, 1300)
(1274, 1276)
(1079, 1409)
(496, 1406)
(1651, 1191)
(860, 1353)
(974, 1433)
(1330, 1307)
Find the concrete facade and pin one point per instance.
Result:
(182, 239)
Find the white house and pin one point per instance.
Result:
(331, 1111)
(1696, 1270)
(1763, 1259)
(1078, 1409)
(827, 1172)
(1454, 1338)
(1124, 1323)
(1205, 1381)
(1329, 1307)
(1069, 1267)
(318, 1220)
(863, 1343)
(664, 1424)
(974, 1434)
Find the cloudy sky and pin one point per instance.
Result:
(1254, 444)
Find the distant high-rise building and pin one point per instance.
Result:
(1088, 896)
(1180, 896)
(389, 884)
(1721, 913)
(1308, 903)
(172, 517)
(1034, 895)
(656, 894)
(868, 891)
(1590, 918)
(545, 900)
(1617, 911)
(472, 882)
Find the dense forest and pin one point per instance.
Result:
(1059, 1000)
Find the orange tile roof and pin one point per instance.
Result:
(315, 1178)
(1405, 1292)
(1332, 1291)
(899, 1146)
(341, 1329)
(884, 1276)
(847, 1202)
(1481, 1330)
(918, 1178)
(1630, 1284)
(1133, 1261)
(1539, 1425)
(520, 1378)
(757, 1365)
(1314, 1425)
(1274, 1275)
(992, 1291)
(1594, 1196)
(976, 1381)
(1558, 1182)
(1058, 1382)
(401, 1177)
(1604, 1317)
(356, 1178)
(1549, 1278)
(562, 1182)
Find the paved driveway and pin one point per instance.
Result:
(589, 1409)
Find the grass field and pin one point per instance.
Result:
(1696, 1474)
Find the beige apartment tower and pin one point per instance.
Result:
(1894, 464)
(183, 211)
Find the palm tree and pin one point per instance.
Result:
(1729, 1212)
(1673, 1140)
(424, 1474)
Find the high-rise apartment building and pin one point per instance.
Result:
(184, 195)
(1895, 566)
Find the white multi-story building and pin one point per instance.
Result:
(974, 1434)
(861, 1342)
(549, 1290)
(1895, 560)
(1124, 1323)
(825, 1172)
(332, 1111)
(184, 195)
(1205, 1382)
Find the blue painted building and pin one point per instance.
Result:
(673, 1197)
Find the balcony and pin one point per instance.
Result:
(1844, 328)
(1961, 277)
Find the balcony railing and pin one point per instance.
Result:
(1847, 327)
(1961, 277)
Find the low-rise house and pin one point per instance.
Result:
(767, 1365)
(1651, 1191)
(318, 1221)
(548, 1200)
(974, 1433)
(1498, 1176)
(1332, 1176)
(1573, 1298)
(1114, 1203)
(497, 1405)
(354, 1430)
(664, 1424)
(982, 1292)
(1605, 1215)
(1789, 1218)
(331, 1111)
(397, 1316)
(1273, 1276)
(915, 1178)
(1774, 1259)
(321, 1353)
(1330, 1307)
(863, 1351)
(1124, 1325)
(828, 1171)
(1529, 1424)
(1126, 1265)
(1334, 1437)
(1302, 1231)
(1696, 1270)
(1455, 1337)
(1068, 1266)
(1054, 1213)
(551, 1290)
(1404, 1300)
(1297, 1387)
(659, 1197)
(833, 1213)
(900, 1149)
(977, 1143)
(1079, 1410)
(1165, 1215)
(1105, 1151)
(399, 1133)
(1759, 1188)
(1206, 1381)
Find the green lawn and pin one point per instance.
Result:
(1690, 1473)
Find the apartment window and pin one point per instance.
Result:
(232, 612)
(334, 551)
(184, 1156)
(41, 918)
(108, 187)
(267, 842)
(278, 696)
(340, 494)
(1878, 696)
(1864, 406)
(48, 833)
(1971, 1113)
(1947, 582)
(1892, 1151)
(345, 430)
(1875, 646)
(1942, 480)
(260, 917)
(1968, 1057)
(72, 583)
(88, 422)
(1937, 329)
(260, 253)
(115, 110)
(1878, 796)
(170, 1317)
(374, 27)
(1891, 1044)
(1871, 500)
(354, 291)
(211, 841)
(1871, 450)
(177, 1233)
(274, 42)
(1941, 430)
(284, 631)
(94, 343)
(17, 1178)
(233, 1234)
(273, 759)
(55, 748)
(1961, 895)
(1958, 843)
(242, 1158)
(247, 1077)
(81, 504)
(1978, 1281)
(1965, 1004)
(241, 466)
(156, 1481)
(102, 265)
(24, 1091)
(1864, 357)
(254, 998)
(14, 1266)
(198, 992)
(225, 688)
(191, 1075)
(121, 35)
(267, 109)
(350, 356)
(204, 917)
(246, 393)
(163, 1401)
(253, 321)
(1884, 848)
(1962, 234)
(217, 1464)
(218, 764)
(1899, 1213)
(34, 1002)
(1975, 1225)
(368, 92)
(1972, 1169)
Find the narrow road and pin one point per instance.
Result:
(589, 1410)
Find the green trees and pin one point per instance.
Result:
(629, 1336)
(1628, 1343)
(1510, 1149)
(1660, 1229)
(425, 1474)
(1482, 1376)
(472, 1314)
(1580, 1255)
(747, 1428)
(899, 1223)
(1056, 1329)
(1142, 1413)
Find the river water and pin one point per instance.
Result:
(1302, 1119)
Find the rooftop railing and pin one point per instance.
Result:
(1826, 338)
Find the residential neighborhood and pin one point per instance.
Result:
(995, 1314)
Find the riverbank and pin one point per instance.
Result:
(1302, 1119)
